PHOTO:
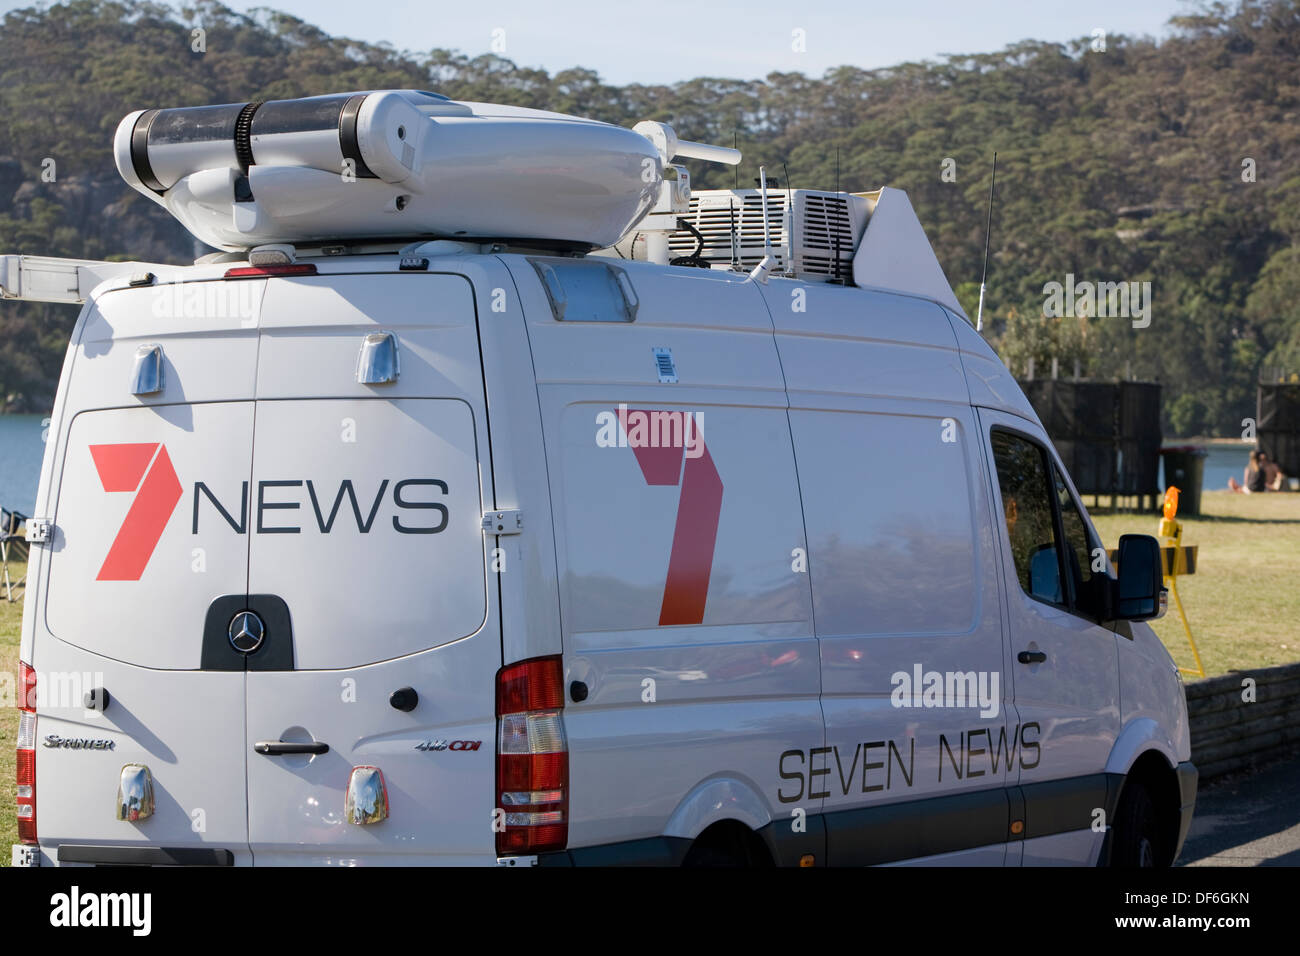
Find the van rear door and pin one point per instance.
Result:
(366, 506)
(125, 606)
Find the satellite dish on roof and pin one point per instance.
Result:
(410, 164)
(390, 163)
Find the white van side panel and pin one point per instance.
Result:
(842, 342)
(904, 582)
(1073, 848)
(903, 570)
(1139, 735)
(1152, 701)
(992, 855)
(714, 323)
(990, 382)
(683, 613)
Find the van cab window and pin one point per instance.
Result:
(1054, 562)
(1027, 508)
(1085, 584)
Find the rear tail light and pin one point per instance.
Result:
(26, 754)
(532, 757)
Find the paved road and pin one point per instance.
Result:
(1248, 819)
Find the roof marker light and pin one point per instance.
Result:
(272, 254)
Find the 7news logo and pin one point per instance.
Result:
(146, 469)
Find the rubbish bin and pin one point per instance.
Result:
(1185, 470)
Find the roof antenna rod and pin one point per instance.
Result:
(735, 144)
(787, 217)
(838, 278)
(767, 234)
(988, 227)
(764, 268)
(731, 208)
(735, 245)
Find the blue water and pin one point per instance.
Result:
(1224, 461)
(21, 450)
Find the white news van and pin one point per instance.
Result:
(493, 498)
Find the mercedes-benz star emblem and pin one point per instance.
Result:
(246, 632)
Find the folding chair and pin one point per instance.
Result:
(13, 547)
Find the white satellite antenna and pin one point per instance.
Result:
(402, 164)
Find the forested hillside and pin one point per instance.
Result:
(1176, 163)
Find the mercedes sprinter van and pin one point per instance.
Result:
(493, 498)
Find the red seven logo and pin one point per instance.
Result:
(691, 561)
(136, 467)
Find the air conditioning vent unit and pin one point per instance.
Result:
(813, 232)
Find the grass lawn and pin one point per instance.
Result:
(11, 619)
(1243, 601)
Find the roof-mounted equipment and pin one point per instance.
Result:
(388, 163)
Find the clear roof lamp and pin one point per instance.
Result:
(147, 373)
(378, 363)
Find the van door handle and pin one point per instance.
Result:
(1031, 657)
(283, 748)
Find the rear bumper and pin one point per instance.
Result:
(144, 855)
(1187, 780)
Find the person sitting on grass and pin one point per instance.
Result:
(1273, 477)
(1254, 478)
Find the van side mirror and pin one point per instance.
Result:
(1139, 590)
(1045, 574)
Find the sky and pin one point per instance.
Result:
(652, 41)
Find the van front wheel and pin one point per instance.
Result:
(1137, 832)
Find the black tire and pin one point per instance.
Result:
(711, 856)
(1137, 841)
